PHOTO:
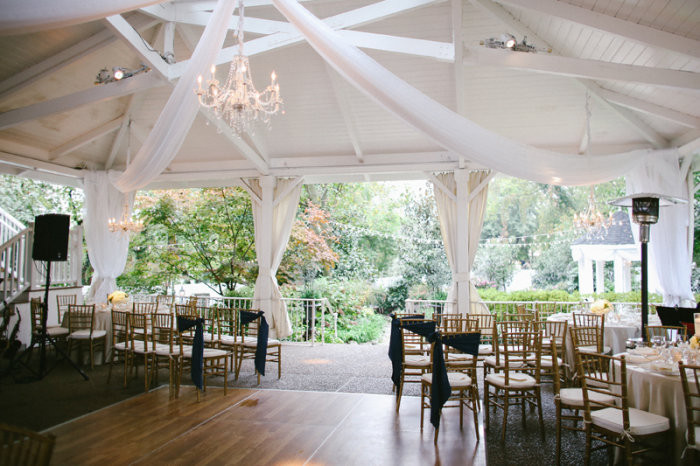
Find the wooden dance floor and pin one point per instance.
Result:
(258, 427)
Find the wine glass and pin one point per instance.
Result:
(658, 341)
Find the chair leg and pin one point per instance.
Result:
(111, 363)
(279, 361)
(422, 403)
(92, 355)
(226, 363)
(399, 392)
(475, 409)
(558, 430)
(587, 456)
(506, 399)
(539, 410)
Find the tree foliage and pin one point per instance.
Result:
(25, 198)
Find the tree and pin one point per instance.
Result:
(202, 234)
(554, 266)
(25, 198)
(495, 263)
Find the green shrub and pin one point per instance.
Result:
(490, 294)
(366, 327)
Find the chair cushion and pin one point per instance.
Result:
(164, 350)
(574, 397)
(457, 379)
(229, 340)
(485, 349)
(546, 361)
(641, 422)
(593, 349)
(214, 353)
(697, 438)
(491, 361)
(85, 334)
(57, 331)
(516, 380)
(120, 346)
(417, 361)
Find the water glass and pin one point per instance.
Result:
(658, 341)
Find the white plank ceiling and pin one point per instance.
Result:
(55, 122)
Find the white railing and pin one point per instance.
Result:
(15, 263)
(9, 226)
(499, 308)
(309, 317)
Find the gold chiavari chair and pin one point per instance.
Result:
(141, 345)
(690, 379)
(554, 332)
(211, 324)
(518, 381)
(501, 332)
(166, 349)
(228, 337)
(415, 357)
(120, 341)
(215, 363)
(20, 446)
(52, 331)
(144, 308)
(62, 303)
(670, 333)
(81, 318)
(589, 319)
(249, 344)
(615, 424)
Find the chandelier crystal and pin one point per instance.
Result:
(125, 224)
(238, 103)
(592, 219)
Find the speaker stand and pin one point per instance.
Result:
(42, 345)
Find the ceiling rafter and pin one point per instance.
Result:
(503, 15)
(649, 108)
(637, 32)
(123, 29)
(135, 101)
(582, 68)
(85, 138)
(64, 58)
(78, 99)
(353, 18)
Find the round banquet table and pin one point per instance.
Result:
(615, 333)
(659, 394)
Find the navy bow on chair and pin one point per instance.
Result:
(247, 317)
(197, 361)
(395, 348)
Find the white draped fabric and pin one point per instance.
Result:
(447, 214)
(285, 203)
(107, 250)
(168, 134)
(23, 16)
(669, 258)
(447, 128)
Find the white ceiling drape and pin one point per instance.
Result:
(669, 258)
(283, 214)
(168, 134)
(24, 16)
(447, 215)
(107, 250)
(447, 128)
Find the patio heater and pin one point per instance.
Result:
(645, 212)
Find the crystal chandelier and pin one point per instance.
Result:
(125, 224)
(238, 103)
(592, 219)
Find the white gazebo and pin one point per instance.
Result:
(615, 243)
(373, 90)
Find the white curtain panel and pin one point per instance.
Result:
(669, 258)
(168, 134)
(107, 250)
(447, 128)
(23, 16)
(283, 214)
(447, 215)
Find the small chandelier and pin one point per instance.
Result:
(125, 224)
(238, 103)
(592, 219)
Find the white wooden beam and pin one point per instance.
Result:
(286, 192)
(637, 32)
(458, 54)
(581, 68)
(123, 29)
(343, 103)
(360, 16)
(78, 99)
(84, 139)
(649, 108)
(169, 40)
(441, 51)
(503, 15)
(28, 162)
(64, 58)
(481, 186)
(441, 186)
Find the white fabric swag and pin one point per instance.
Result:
(669, 258)
(285, 201)
(168, 134)
(23, 16)
(447, 128)
(447, 214)
(107, 251)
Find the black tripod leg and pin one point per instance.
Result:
(65, 356)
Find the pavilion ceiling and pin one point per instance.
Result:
(638, 59)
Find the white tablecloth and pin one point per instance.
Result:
(615, 333)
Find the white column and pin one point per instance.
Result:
(264, 249)
(462, 276)
(622, 275)
(585, 276)
(599, 277)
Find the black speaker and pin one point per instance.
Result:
(51, 237)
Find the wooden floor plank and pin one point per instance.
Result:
(143, 423)
(265, 427)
